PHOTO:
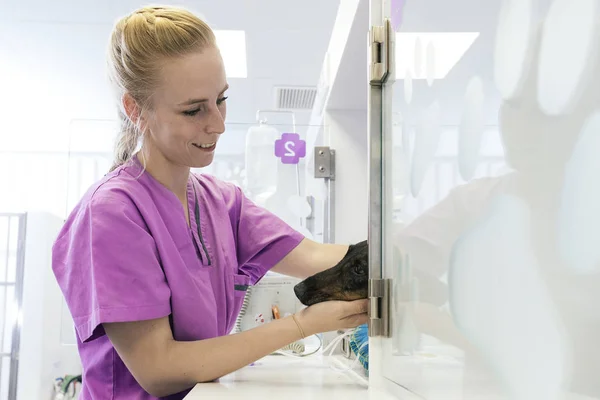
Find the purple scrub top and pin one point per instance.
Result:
(126, 253)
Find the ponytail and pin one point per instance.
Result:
(127, 141)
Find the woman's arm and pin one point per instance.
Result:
(164, 366)
(309, 258)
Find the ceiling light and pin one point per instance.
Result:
(233, 50)
(448, 49)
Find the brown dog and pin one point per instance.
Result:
(347, 280)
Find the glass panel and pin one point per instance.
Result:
(5, 378)
(4, 238)
(491, 186)
(3, 302)
(11, 318)
(13, 246)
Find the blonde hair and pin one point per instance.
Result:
(138, 44)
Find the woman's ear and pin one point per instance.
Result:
(132, 109)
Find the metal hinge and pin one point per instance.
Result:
(381, 42)
(379, 307)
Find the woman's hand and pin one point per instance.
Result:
(333, 315)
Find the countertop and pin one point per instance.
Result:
(313, 377)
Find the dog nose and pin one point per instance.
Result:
(299, 291)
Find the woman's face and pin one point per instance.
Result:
(188, 109)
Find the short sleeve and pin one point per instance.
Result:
(263, 239)
(107, 266)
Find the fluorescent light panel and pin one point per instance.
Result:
(233, 50)
(449, 48)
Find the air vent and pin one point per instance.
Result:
(295, 98)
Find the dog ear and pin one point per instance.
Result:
(358, 245)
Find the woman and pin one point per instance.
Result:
(154, 261)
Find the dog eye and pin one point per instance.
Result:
(358, 270)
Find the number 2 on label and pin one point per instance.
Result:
(289, 151)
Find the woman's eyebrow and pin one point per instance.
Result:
(196, 101)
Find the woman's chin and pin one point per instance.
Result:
(202, 162)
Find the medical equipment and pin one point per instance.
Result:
(359, 343)
(261, 163)
(274, 292)
(66, 388)
(270, 182)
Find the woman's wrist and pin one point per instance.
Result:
(305, 328)
(302, 334)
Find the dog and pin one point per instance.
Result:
(347, 280)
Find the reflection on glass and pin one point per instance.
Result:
(261, 163)
(418, 57)
(496, 266)
(426, 142)
(513, 322)
(408, 87)
(568, 52)
(579, 227)
(512, 49)
(471, 129)
(430, 63)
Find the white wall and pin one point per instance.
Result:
(346, 132)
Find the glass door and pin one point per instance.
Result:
(485, 206)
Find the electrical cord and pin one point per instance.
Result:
(295, 349)
(354, 363)
(295, 354)
(245, 305)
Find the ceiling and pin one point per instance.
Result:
(58, 47)
(57, 51)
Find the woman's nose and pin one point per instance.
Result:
(216, 122)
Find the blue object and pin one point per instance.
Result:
(359, 343)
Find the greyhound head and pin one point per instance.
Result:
(347, 280)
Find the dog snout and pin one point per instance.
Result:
(299, 290)
(306, 293)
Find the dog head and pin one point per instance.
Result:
(347, 280)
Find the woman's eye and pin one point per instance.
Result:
(191, 113)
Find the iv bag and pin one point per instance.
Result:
(261, 162)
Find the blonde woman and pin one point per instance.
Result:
(154, 260)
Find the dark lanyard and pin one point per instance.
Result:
(197, 215)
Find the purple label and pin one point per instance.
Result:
(290, 148)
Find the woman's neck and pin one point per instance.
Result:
(173, 177)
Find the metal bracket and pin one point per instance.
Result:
(324, 163)
(379, 307)
(381, 41)
(325, 169)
